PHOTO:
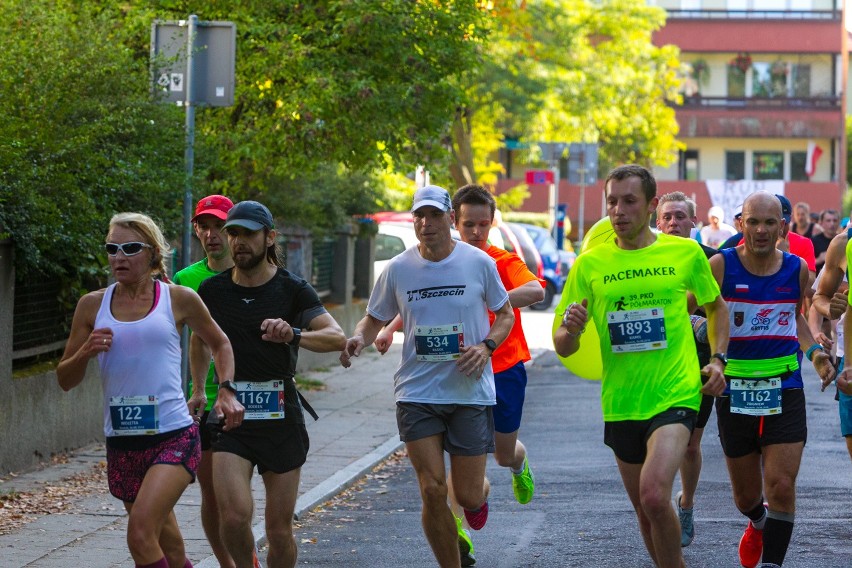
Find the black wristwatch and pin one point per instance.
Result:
(230, 385)
(297, 337)
(489, 343)
(721, 357)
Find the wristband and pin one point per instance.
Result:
(810, 352)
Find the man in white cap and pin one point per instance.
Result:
(717, 231)
(444, 386)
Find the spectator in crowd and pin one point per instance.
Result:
(829, 222)
(803, 224)
(738, 225)
(717, 231)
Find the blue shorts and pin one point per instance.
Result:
(844, 407)
(511, 387)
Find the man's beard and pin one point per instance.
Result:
(250, 262)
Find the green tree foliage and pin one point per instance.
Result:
(330, 95)
(327, 89)
(80, 138)
(571, 71)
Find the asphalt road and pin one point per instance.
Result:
(580, 515)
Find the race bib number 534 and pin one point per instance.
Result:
(438, 342)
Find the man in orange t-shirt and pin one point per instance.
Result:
(474, 207)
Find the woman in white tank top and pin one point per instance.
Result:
(133, 330)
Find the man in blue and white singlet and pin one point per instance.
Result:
(762, 420)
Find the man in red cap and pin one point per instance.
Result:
(210, 215)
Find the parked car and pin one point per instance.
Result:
(552, 265)
(396, 233)
(393, 237)
(527, 251)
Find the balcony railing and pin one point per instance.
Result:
(789, 103)
(754, 14)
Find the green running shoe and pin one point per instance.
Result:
(524, 484)
(465, 545)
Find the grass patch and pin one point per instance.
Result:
(304, 383)
(35, 369)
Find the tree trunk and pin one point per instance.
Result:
(461, 167)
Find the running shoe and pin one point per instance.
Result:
(477, 519)
(523, 484)
(465, 545)
(687, 527)
(751, 546)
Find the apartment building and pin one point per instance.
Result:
(763, 105)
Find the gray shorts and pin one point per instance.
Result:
(468, 429)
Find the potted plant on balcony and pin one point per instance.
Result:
(742, 62)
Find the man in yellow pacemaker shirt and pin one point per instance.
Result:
(635, 288)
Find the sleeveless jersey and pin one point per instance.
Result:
(144, 361)
(764, 335)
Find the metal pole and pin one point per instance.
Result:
(189, 154)
(189, 158)
(554, 198)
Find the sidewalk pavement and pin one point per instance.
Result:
(356, 431)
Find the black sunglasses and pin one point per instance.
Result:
(129, 249)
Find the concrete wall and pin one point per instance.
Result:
(38, 419)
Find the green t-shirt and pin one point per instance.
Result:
(633, 294)
(192, 276)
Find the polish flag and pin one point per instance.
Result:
(814, 152)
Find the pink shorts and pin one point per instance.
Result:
(130, 457)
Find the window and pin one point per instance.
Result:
(801, 80)
(769, 79)
(736, 82)
(798, 160)
(768, 165)
(388, 246)
(770, 4)
(734, 166)
(688, 166)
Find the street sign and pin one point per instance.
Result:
(213, 57)
(539, 176)
(582, 163)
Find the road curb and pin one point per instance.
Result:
(325, 490)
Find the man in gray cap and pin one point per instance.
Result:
(268, 313)
(444, 386)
